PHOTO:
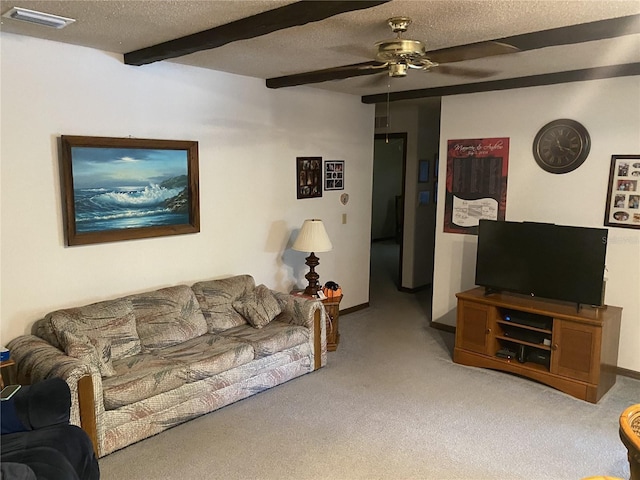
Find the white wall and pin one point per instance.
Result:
(249, 137)
(610, 110)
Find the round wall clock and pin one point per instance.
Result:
(561, 146)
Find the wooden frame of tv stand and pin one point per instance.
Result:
(583, 349)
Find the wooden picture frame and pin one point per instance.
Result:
(334, 175)
(308, 177)
(623, 193)
(117, 189)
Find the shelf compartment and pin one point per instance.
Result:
(524, 327)
(541, 346)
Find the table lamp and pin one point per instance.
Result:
(312, 238)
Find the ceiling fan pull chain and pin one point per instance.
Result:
(388, 110)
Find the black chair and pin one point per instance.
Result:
(38, 443)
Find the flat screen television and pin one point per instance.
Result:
(543, 260)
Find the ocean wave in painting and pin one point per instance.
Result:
(115, 208)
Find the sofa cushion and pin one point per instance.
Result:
(112, 320)
(274, 337)
(92, 350)
(141, 376)
(167, 316)
(258, 307)
(216, 299)
(208, 355)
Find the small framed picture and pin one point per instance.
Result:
(423, 198)
(423, 171)
(623, 195)
(334, 175)
(309, 177)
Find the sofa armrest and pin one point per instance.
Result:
(309, 313)
(38, 360)
(298, 310)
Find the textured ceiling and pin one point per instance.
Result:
(126, 25)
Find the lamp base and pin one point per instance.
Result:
(311, 291)
(312, 277)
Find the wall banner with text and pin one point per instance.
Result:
(476, 186)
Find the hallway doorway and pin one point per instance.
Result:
(387, 208)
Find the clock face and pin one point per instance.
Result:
(561, 146)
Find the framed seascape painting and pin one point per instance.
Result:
(128, 188)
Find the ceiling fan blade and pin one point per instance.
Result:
(463, 72)
(287, 16)
(354, 50)
(336, 73)
(470, 52)
(377, 81)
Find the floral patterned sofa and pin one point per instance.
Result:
(143, 363)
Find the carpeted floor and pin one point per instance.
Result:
(391, 404)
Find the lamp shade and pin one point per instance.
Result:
(312, 237)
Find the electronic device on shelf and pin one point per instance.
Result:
(522, 353)
(506, 353)
(542, 260)
(529, 319)
(524, 335)
(541, 357)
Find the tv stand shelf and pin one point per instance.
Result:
(575, 351)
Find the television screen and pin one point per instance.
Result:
(545, 260)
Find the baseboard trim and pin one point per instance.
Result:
(414, 289)
(624, 372)
(443, 326)
(356, 308)
(628, 373)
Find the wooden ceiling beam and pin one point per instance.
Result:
(317, 76)
(595, 73)
(287, 16)
(580, 33)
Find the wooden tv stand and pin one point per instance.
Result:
(575, 351)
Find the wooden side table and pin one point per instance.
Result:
(7, 370)
(332, 307)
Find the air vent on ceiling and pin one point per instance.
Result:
(39, 18)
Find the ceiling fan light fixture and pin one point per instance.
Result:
(390, 50)
(399, 24)
(397, 70)
(39, 18)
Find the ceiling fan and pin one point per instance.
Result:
(397, 55)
